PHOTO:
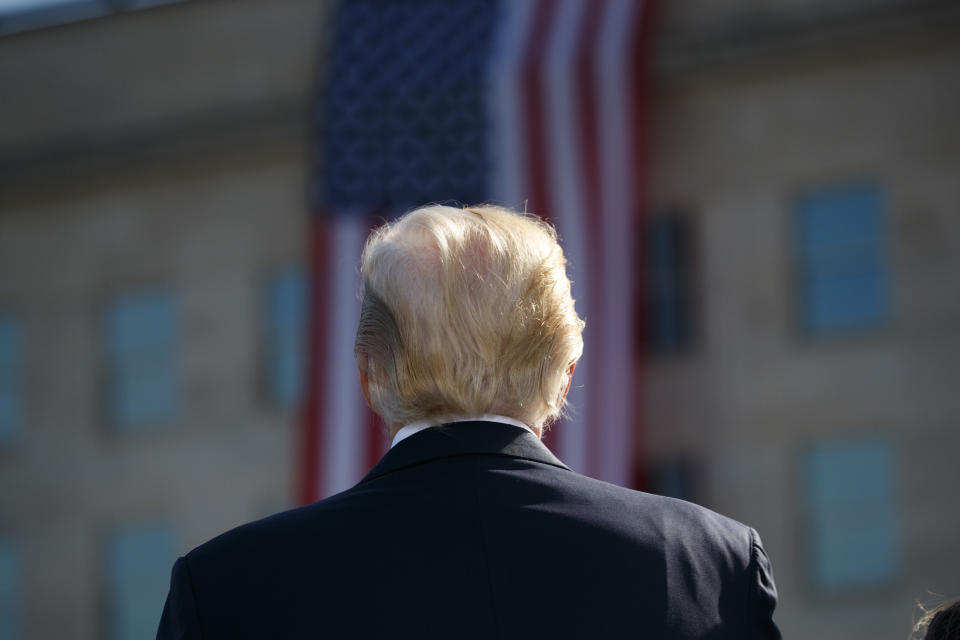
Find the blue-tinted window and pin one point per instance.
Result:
(142, 360)
(851, 514)
(841, 246)
(285, 316)
(138, 564)
(10, 379)
(668, 285)
(10, 580)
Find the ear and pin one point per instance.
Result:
(573, 365)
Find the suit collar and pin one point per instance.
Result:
(463, 438)
(414, 427)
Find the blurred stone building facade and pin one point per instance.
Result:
(168, 150)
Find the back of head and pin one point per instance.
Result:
(465, 312)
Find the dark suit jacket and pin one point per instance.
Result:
(475, 530)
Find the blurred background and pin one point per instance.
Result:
(798, 311)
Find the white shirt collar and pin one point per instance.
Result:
(408, 430)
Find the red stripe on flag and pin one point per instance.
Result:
(534, 107)
(310, 443)
(533, 100)
(640, 103)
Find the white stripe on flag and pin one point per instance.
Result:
(565, 175)
(508, 183)
(344, 432)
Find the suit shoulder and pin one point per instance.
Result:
(689, 513)
(302, 525)
(673, 518)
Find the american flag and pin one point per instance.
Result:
(533, 104)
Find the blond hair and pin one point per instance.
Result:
(466, 311)
(940, 622)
